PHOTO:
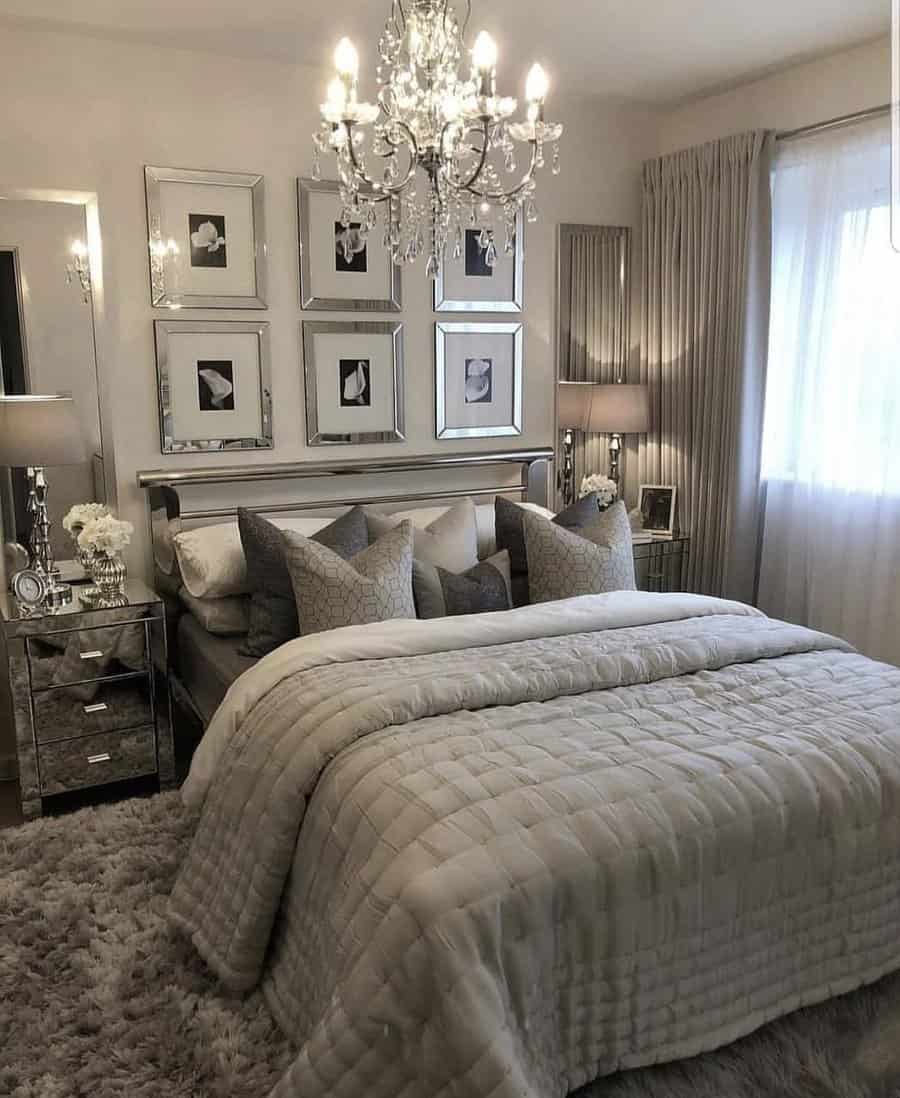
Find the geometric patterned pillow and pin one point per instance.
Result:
(563, 564)
(375, 585)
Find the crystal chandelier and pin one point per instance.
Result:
(437, 150)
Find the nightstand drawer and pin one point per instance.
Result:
(68, 712)
(60, 659)
(96, 760)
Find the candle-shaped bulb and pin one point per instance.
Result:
(78, 249)
(337, 94)
(484, 53)
(346, 59)
(537, 85)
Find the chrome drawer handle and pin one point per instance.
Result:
(97, 707)
(104, 758)
(91, 655)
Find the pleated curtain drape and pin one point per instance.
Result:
(594, 267)
(706, 257)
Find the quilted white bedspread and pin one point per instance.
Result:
(501, 857)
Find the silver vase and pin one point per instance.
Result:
(109, 574)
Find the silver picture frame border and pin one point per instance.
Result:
(160, 296)
(442, 329)
(443, 304)
(312, 328)
(392, 304)
(162, 331)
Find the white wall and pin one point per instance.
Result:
(843, 83)
(88, 114)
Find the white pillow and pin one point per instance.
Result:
(211, 558)
(449, 541)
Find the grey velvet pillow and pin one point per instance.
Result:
(564, 563)
(508, 521)
(440, 594)
(273, 606)
(375, 585)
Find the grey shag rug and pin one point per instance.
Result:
(100, 998)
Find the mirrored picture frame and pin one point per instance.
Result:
(215, 385)
(340, 270)
(353, 376)
(207, 239)
(469, 285)
(478, 379)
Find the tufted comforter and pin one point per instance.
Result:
(501, 856)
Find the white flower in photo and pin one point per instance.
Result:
(220, 387)
(207, 236)
(605, 487)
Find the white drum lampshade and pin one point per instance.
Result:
(40, 430)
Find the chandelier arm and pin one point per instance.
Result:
(482, 158)
(499, 196)
(386, 189)
(399, 24)
(465, 22)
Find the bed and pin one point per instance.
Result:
(502, 855)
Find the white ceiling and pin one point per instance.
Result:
(657, 51)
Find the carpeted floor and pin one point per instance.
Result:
(99, 998)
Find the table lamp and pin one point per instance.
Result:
(613, 410)
(37, 431)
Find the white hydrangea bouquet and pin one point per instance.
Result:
(605, 487)
(105, 535)
(80, 515)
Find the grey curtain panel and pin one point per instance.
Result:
(594, 295)
(707, 244)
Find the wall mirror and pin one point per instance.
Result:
(593, 314)
(51, 306)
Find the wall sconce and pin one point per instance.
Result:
(161, 251)
(80, 269)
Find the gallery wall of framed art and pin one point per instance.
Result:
(478, 274)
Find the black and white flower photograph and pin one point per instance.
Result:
(350, 253)
(479, 380)
(208, 247)
(356, 389)
(477, 265)
(215, 385)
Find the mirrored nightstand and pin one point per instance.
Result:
(659, 565)
(90, 697)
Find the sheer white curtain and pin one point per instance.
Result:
(831, 449)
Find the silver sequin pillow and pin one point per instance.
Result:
(375, 585)
(596, 559)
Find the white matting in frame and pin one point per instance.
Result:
(353, 373)
(478, 380)
(469, 285)
(341, 268)
(214, 385)
(207, 239)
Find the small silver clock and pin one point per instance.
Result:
(30, 589)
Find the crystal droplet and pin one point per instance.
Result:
(555, 165)
(316, 166)
(458, 243)
(411, 252)
(371, 218)
(531, 211)
(510, 162)
(346, 217)
(473, 217)
(490, 254)
(431, 267)
(484, 238)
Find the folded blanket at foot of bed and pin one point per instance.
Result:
(500, 856)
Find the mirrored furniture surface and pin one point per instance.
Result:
(51, 306)
(89, 696)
